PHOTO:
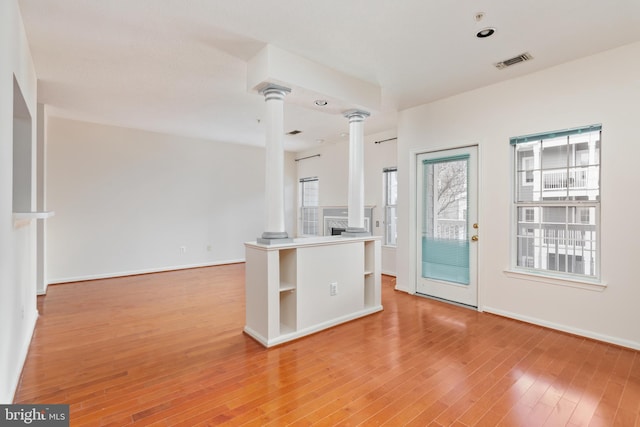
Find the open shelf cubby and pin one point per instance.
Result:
(297, 288)
(287, 286)
(369, 268)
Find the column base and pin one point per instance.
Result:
(355, 232)
(274, 237)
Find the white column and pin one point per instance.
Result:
(274, 177)
(355, 224)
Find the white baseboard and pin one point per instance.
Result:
(564, 328)
(280, 339)
(144, 271)
(22, 358)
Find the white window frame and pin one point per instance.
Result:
(309, 213)
(390, 224)
(521, 262)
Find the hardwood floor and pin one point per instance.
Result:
(168, 349)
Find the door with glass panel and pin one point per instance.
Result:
(447, 225)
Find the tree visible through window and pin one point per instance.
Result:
(557, 201)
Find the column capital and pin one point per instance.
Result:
(356, 115)
(274, 91)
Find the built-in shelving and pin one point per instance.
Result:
(284, 287)
(372, 260)
(290, 287)
(287, 268)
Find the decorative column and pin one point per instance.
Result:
(355, 224)
(274, 179)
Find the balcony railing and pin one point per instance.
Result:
(454, 229)
(564, 237)
(559, 179)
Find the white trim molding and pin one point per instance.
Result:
(564, 328)
(145, 271)
(22, 357)
(558, 281)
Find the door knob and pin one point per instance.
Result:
(474, 238)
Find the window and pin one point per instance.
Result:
(309, 198)
(390, 200)
(557, 201)
(529, 215)
(527, 165)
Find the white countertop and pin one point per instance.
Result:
(312, 241)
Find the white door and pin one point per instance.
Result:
(448, 225)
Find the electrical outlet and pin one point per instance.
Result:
(183, 249)
(333, 289)
(377, 223)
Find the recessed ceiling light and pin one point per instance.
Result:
(485, 32)
(321, 102)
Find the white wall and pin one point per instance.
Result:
(603, 88)
(332, 170)
(18, 311)
(127, 200)
(41, 202)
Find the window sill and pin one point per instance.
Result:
(558, 281)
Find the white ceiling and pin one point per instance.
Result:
(180, 66)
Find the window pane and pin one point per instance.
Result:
(309, 216)
(392, 188)
(555, 153)
(310, 193)
(526, 155)
(557, 201)
(445, 244)
(585, 149)
(527, 254)
(391, 227)
(555, 215)
(528, 236)
(528, 215)
(584, 183)
(528, 189)
(528, 172)
(309, 200)
(391, 198)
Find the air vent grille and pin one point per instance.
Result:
(515, 60)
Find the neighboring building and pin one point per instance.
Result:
(558, 195)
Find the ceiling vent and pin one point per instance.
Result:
(294, 132)
(515, 60)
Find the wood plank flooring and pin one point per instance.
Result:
(168, 349)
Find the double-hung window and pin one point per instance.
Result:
(390, 200)
(557, 202)
(309, 198)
